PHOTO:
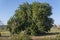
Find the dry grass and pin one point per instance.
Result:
(45, 37)
(5, 38)
(48, 37)
(55, 30)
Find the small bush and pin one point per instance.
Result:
(21, 36)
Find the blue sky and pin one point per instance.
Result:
(8, 7)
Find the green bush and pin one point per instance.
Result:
(35, 16)
(30, 32)
(21, 36)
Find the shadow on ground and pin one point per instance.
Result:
(45, 34)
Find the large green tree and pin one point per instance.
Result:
(32, 18)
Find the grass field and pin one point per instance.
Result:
(51, 35)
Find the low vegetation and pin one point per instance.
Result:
(21, 36)
(5, 33)
(24, 36)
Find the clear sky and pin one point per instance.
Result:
(8, 7)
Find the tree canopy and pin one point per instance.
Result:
(32, 18)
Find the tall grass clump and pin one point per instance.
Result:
(57, 37)
(21, 36)
(52, 38)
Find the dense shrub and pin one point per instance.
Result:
(34, 17)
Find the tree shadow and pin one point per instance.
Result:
(45, 34)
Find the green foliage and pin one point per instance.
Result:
(21, 36)
(32, 18)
